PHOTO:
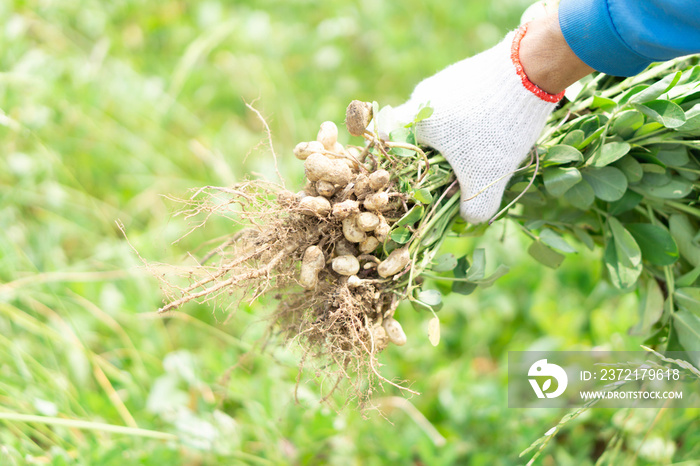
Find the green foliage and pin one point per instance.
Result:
(636, 196)
(622, 172)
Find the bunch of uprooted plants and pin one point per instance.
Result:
(617, 166)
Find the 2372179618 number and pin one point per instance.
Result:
(640, 374)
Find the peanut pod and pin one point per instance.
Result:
(325, 188)
(346, 265)
(345, 209)
(397, 260)
(377, 202)
(328, 135)
(367, 221)
(394, 331)
(319, 167)
(379, 179)
(312, 263)
(304, 149)
(351, 231)
(315, 205)
(369, 245)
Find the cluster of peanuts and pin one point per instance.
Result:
(340, 190)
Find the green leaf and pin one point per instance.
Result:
(400, 151)
(590, 125)
(660, 87)
(651, 180)
(683, 232)
(653, 168)
(423, 114)
(655, 242)
(573, 138)
(627, 95)
(602, 102)
(648, 129)
(678, 188)
(595, 135)
(688, 299)
(389, 246)
(627, 249)
(401, 235)
(691, 75)
(621, 276)
(437, 231)
(609, 153)
(444, 263)
(692, 122)
(534, 224)
(423, 196)
(627, 202)
(545, 255)
(691, 176)
(401, 135)
(520, 186)
(689, 278)
(608, 183)
(533, 198)
(478, 268)
(561, 154)
(462, 266)
(420, 306)
(465, 229)
(627, 122)
(498, 273)
(580, 195)
(412, 216)
(554, 240)
(687, 326)
(675, 156)
(651, 307)
(558, 180)
(631, 168)
(431, 298)
(647, 157)
(669, 114)
(463, 288)
(584, 237)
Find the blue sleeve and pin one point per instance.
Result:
(622, 37)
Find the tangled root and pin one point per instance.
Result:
(338, 322)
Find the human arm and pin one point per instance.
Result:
(622, 37)
(547, 59)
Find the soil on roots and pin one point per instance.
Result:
(337, 324)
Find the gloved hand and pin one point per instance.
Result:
(486, 117)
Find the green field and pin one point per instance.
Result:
(110, 108)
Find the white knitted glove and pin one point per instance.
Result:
(486, 117)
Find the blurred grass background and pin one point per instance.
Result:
(107, 106)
